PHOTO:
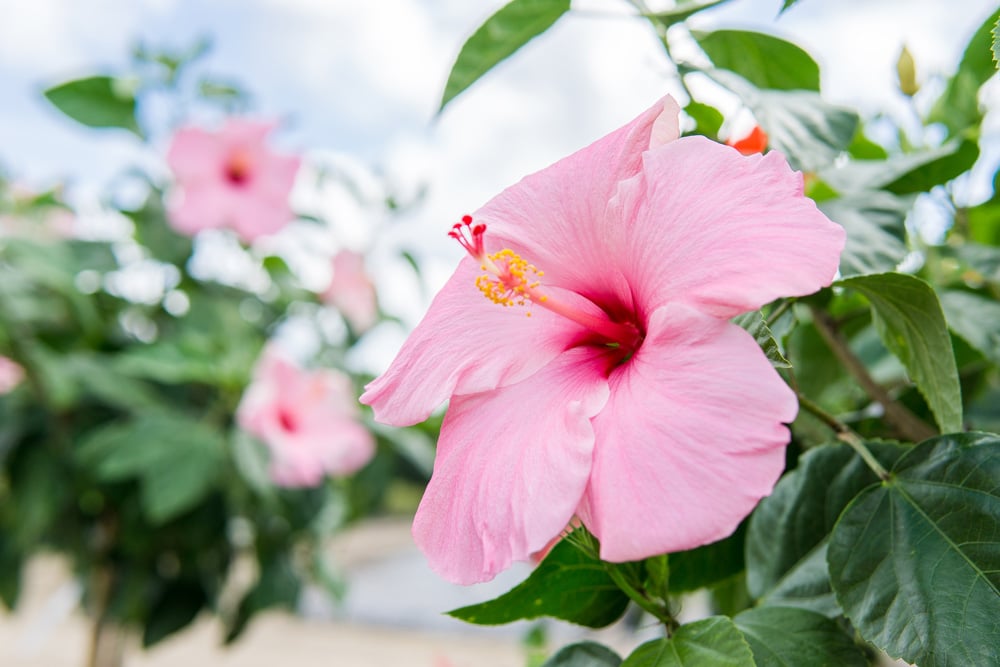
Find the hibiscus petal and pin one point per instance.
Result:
(723, 232)
(465, 344)
(194, 155)
(554, 218)
(511, 467)
(691, 438)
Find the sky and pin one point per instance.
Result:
(361, 81)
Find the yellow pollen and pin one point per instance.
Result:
(509, 280)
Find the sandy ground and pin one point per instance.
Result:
(392, 615)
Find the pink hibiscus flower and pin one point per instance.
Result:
(230, 178)
(308, 420)
(11, 374)
(351, 291)
(627, 399)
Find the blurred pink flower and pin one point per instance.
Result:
(11, 374)
(230, 178)
(308, 420)
(351, 291)
(627, 399)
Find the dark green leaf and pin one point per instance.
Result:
(915, 561)
(782, 636)
(97, 101)
(788, 5)
(568, 584)
(584, 654)
(976, 319)
(707, 565)
(958, 106)
(177, 460)
(755, 324)
(902, 174)
(786, 539)
(173, 611)
(278, 586)
(763, 60)
(712, 642)
(910, 322)
(875, 231)
(517, 23)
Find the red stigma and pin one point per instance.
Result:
(469, 236)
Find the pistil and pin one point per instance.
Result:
(511, 281)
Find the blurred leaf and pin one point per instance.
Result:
(708, 120)
(863, 148)
(915, 560)
(681, 12)
(958, 106)
(709, 564)
(584, 654)
(517, 23)
(763, 60)
(177, 460)
(788, 532)
(173, 611)
(976, 319)
(277, 586)
(876, 233)
(712, 642)
(983, 220)
(983, 259)
(755, 324)
(97, 101)
(11, 562)
(910, 322)
(568, 584)
(153, 232)
(782, 636)
(788, 5)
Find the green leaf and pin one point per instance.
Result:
(810, 132)
(584, 654)
(983, 259)
(976, 319)
(681, 12)
(876, 233)
(788, 5)
(787, 533)
(958, 106)
(763, 60)
(173, 611)
(782, 636)
(755, 324)
(915, 561)
(97, 101)
(517, 23)
(568, 584)
(910, 322)
(712, 642)
(996, 43)
(177, 460)
(909, 173)
(278, 586)
(708, 120)
(709, 564)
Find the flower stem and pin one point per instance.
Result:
(845, 434)
(638, 594)
(908, 424)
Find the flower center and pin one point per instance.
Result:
(287, 421)
(511, 281)
(238, 167)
